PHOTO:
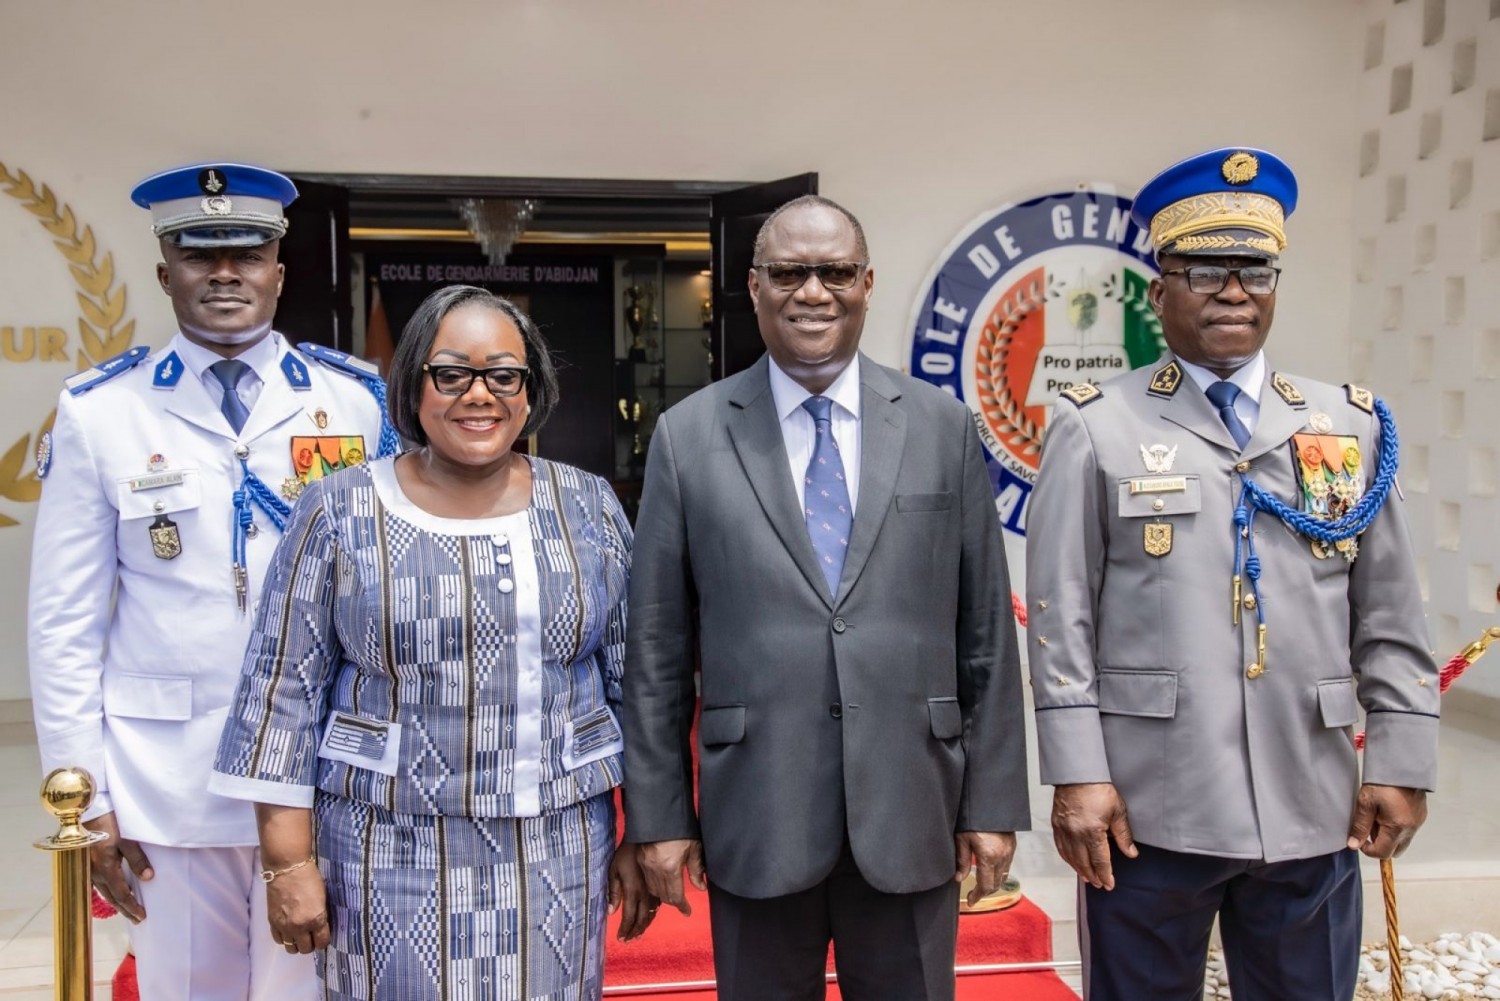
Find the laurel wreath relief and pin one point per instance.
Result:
(102, 326)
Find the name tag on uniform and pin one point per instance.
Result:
(1158, 485)
(153, 481)
(365, 743)
(591, 737)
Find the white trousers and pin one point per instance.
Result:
(206, 936)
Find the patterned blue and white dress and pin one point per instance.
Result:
(444, 694)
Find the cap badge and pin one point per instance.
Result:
(217, 205)
(210, 181)
(1240, 168)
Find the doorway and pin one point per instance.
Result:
(637, 285)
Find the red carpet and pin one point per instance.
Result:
(677, 950)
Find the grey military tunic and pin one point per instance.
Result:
(1141, 675)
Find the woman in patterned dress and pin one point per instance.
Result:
(432, 686)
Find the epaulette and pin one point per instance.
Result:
(1082, 393)
(340, 360)
(101, 373)
(1165, 380)
(1288, 392)
(1361, 398)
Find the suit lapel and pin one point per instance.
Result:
(882, 441)
(755, 430)
(1188, 408)
(189, 399)
(1277, 423)
(277, 403)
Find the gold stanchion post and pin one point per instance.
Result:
(66, 793)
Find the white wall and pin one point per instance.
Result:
(917, 115)
(1426, 306)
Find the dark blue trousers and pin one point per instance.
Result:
(1290, 929)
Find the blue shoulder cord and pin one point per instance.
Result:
(1253, 499)
(253, 491)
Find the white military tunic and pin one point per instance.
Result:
(134, 657)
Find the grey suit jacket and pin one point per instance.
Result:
(1140, 675)
(892, 711)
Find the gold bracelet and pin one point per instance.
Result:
(266, 875)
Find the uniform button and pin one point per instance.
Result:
(839, 625)
(242, 451)
(159, 506)
(1158, 504)
(252, 530)
(836, 711)
(503, 559)
(507, 585)
(1253, 671)
(1249, 601)
(1242, 467)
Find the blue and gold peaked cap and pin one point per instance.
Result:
(1230, 202)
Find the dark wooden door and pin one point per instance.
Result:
(316, 303)
(735, 217)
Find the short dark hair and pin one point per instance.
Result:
(804, 201)
(404, 391)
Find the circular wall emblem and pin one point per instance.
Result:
(1027, 301)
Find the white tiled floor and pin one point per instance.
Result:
(1448, 881)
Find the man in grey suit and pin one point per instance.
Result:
(825, 527)
(1219, 575)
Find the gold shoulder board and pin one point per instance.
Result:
(1082, 393)
(1165, 380)
(1288, 392)
(1361, 398)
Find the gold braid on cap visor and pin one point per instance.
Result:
(1181, 223)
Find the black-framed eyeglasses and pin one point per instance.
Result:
(455, 380)
(1210, 279)
(836, 276)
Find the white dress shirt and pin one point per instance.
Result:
(800, 433)
(1250, 377)
(260, 357)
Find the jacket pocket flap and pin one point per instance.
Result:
(1138, 693)
(721, 725)
(924, 502)
(148, 696)
(1140, 496)
(137, 501)
(946, 718)
(1337, 703)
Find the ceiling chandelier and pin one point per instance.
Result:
(497, 223)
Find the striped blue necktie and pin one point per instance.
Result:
(826, 498)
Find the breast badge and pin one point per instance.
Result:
(1330, 470)
(166, 541)
(1158, 540)
(1158, 458)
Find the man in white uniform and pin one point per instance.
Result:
(166, 482)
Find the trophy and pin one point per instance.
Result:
(640, 301)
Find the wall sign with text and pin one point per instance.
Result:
(1027, 301)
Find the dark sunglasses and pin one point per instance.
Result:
(1209, 279)
(789, 276)
(455, 380)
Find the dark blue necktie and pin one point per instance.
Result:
(229, 372)
(826, 498)
(1223, 395)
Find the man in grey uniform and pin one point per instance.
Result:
(1220, 576)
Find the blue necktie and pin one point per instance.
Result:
(1223, 395)
(826, 500)
(229, 372)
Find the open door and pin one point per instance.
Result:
(316, 304)
(735, 217)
